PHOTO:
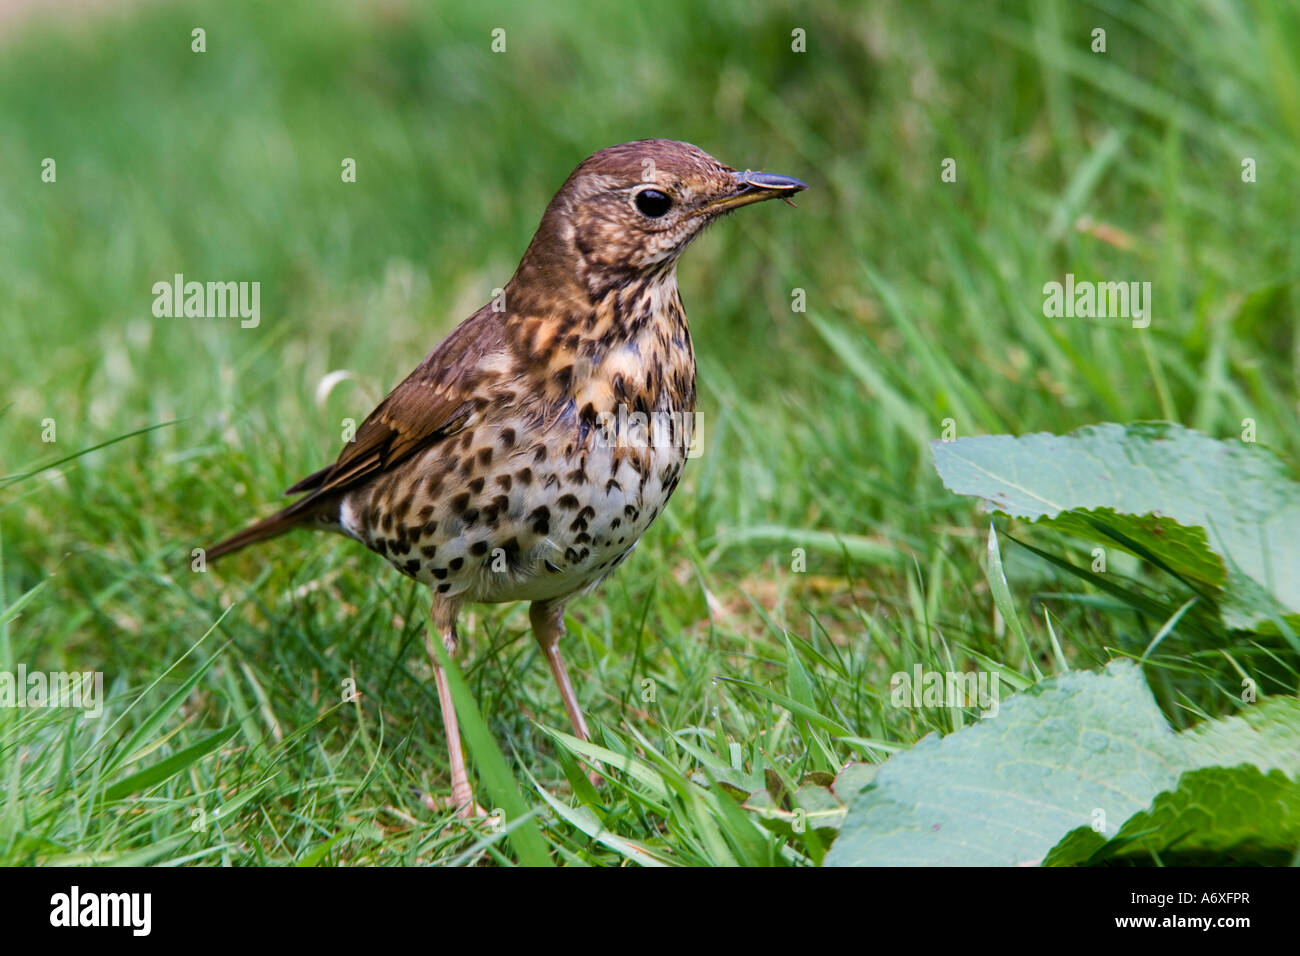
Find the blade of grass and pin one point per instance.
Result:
(491, 764)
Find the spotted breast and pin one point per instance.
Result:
(540, 495)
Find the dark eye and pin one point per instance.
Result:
(653, 203)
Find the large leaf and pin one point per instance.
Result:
(1222, 515)
(1074, 753)
(1265, 735)
(1005, 790)
(1214, 815)
(1181, 550)
(1210, 812)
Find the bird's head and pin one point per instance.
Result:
(631, 209)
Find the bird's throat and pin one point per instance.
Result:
(628, 351)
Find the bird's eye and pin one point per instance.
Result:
(653, 203)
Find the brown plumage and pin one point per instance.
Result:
(527, 454)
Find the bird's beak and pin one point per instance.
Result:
(749, 187)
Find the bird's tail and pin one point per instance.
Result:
(294, 516)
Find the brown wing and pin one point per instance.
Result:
(434, 401)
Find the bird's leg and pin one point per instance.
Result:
(462, 797)
(548, 628)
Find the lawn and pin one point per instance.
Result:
(812, 551)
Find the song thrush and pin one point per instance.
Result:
(527, 454)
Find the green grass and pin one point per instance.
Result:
(924, 303)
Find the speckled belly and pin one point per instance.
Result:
(514, 510)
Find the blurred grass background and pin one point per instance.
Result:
(924, 303)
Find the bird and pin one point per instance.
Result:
(524, 458)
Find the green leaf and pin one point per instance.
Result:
(814, 807)
(166, 708)
(314, 856)
(1006, 790)
(810, 714)
(1239, 812)
(165, 769)
(1076, 751)
(145, 856)
(138, 745)
(1184, 552)
(9, 612)
(584, 819)
(1265, 735)
(491, 764)
(7, 480)
(1224, 516)
(1002, 598)
(799, 686)
(856, 547)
